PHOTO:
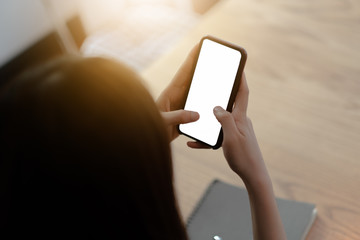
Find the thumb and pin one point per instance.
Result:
(225, 119)
(180, 116)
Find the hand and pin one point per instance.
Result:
(243, 155)
(174, 118)
(240, 146)
(172, 99)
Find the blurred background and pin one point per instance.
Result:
(134, 31)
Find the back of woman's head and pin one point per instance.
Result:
(84, 150)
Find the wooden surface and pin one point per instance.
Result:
(303, 72)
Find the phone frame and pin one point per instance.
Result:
(234, 88)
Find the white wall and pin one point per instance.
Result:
(23, 22)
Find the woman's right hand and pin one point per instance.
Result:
(240, 146)
(243, 155)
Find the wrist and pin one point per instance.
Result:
(258, 182)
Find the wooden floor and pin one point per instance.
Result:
(303, 72)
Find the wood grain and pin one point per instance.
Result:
(303, 72)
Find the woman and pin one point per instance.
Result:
(85, 154)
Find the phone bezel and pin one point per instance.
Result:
(234, 88)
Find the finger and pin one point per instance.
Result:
(184, 73)
(180, 117)
(226, 120)
(242, 98)
(197, 145)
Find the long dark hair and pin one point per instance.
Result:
(84, 153)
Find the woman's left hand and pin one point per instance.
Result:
(174, 118)
(172, 98)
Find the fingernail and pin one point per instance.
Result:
(194, 116)
(218, 110)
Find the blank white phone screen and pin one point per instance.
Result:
(211, 86)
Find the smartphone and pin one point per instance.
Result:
(215, 81)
